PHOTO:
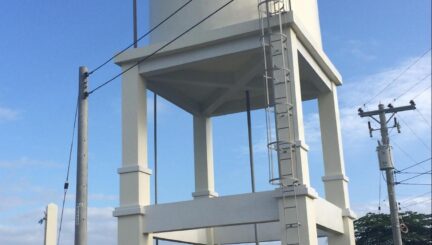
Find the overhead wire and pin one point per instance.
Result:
(411, 198)
(417, 203)
(421, 92)
(412, 131)
(413, 165)
(66, 183)
(413, 86)
(423, 118)
(413, 177)
(415, 184)
(142, 37)
(397, 77)
(161, 48)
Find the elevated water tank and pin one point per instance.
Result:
(237, 12)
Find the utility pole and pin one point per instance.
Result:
(385, 157)
(82, 161)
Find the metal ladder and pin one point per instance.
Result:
(279, 113)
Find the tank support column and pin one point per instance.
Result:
(134, 173)
(299, 135)
(335, 181)
(203, 154)
(304, 203)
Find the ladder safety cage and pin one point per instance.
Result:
(279, 109)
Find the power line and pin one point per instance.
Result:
(143, 36)
(414, 184)
(408, 201)
(66, 184)
(412, 131)
(424, 90)
(413, 86)
(413, 177)
(423, 117)
(398, 76)
(159, 49)
(417, 203)
(413, 165)
(408, 172)
(404, 152)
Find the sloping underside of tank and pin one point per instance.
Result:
(215, 87)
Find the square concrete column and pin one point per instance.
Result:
(51, 224)
(335, 181)
(304, 215)
(134, 173)
(203, 156)
(299, 135)
(300, 206)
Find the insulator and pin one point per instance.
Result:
(370, 129)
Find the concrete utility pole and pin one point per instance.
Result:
(385, 158)
(82, 161)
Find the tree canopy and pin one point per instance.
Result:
(376, 229)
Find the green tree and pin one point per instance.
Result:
(375, 229)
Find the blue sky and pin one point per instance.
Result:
(44, 42)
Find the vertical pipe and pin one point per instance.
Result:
(249, 125)
(252, 172)
(155, 152)
(135, 24)
(82, 161)
(155, 147)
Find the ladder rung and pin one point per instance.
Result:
(283, 159)
(292, 225)
(290, 207)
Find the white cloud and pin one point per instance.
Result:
(26, 162)
(8, 114)
(25, 229)
(360, 49)
(353, 94)
(420, 204)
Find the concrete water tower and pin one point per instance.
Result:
(273, 49)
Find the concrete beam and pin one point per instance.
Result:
(198, 236)
(212, 212)
(325, 84)
(165, 64)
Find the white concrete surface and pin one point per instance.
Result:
(205, 74)
(51, 225)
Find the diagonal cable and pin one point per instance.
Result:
(66, 184)
(161, 48)
(397, 77)
(142, 37)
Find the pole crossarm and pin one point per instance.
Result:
(412, 106)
